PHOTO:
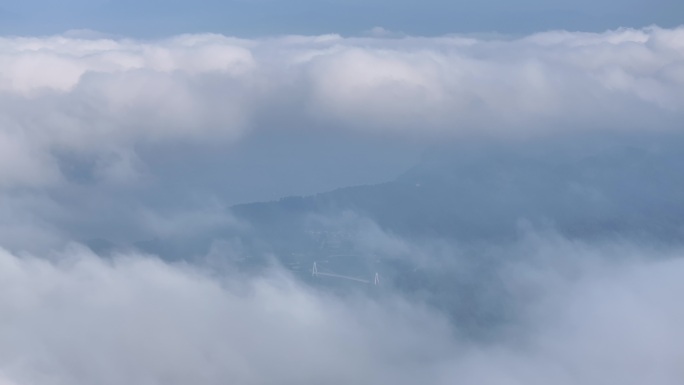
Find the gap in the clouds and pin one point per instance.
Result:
(281, 162)
(458, 233)
(441, 232)
(456, 190)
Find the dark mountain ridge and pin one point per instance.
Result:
(472, 195)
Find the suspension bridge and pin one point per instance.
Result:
(316, 272)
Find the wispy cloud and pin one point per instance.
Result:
(76, 318)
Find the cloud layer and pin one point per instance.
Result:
(108, 96)
(125, 144)
(594, 314)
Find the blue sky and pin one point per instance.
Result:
(153, 18)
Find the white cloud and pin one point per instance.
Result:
(139, 320)
(81, 113)
(76, 318)
(101, 94)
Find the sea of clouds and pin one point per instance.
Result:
(105, 95)
(83, 116)
(76, 318)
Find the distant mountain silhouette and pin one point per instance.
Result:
(485, 193)
(469, 198)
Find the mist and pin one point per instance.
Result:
(589, 313)
(326, 209)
